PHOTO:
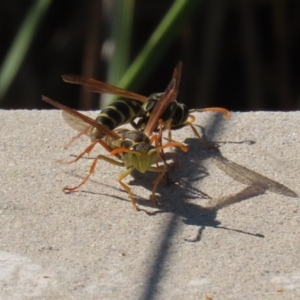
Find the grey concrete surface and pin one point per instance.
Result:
(92, 244)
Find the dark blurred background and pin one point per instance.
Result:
(242, 55)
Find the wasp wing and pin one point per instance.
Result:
(249, 177)
(83, 122)
(76, 123)
(102, 87)
(168, 97)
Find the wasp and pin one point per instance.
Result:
(132, 149)
(175, 115)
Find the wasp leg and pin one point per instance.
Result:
(126, 187)
(83, 132)
(88, 150)
(92, 170)
(164, 127)
(163, 158)
(157, 139)
(226, 113)
(157, 142)
(162, 169)
(156, 182)
(182, 146)
(189, 122)
(167, 166)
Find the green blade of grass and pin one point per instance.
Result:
(158, 43)
(20, 45)
(121, 39)
(121, 36)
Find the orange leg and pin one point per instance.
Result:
(83, 132)
(88, 150)
(91, 171)
(189, 122)
(126, 187)
(157, 139)
(156, 183)
(226, 113)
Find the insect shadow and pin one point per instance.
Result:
(205, 216)
(190, 168)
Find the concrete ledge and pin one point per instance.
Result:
(91, 244)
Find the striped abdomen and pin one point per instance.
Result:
(120, 112)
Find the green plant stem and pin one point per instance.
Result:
(175, 18)
(20, 45)
(121, 39)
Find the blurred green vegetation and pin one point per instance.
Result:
(239, 55)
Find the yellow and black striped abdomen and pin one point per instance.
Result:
(120, 112)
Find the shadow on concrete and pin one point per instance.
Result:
(197, 215)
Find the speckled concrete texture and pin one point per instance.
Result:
(91, 244)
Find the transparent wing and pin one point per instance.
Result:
(84, 120)
(75, 122)
(249, 177)
(102, 87)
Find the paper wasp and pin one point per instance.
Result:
(133, 148)
(175, 115)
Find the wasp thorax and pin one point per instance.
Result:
(151, 102)
(134, 146)
(137, 136)
(142, 147)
